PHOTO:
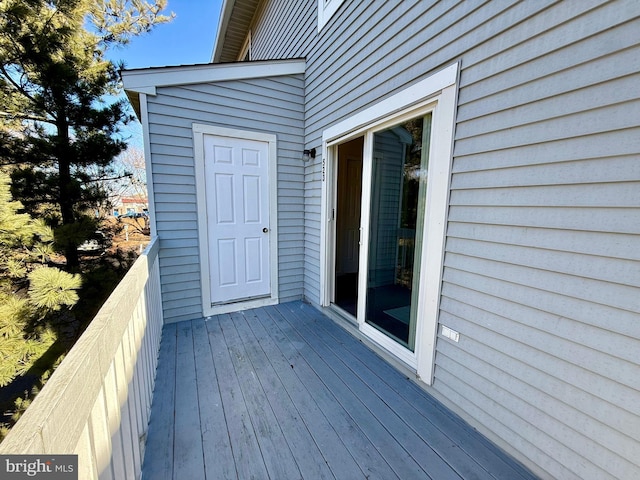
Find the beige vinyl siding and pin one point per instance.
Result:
(272, 105)
(541, 274)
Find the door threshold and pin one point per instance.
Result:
(348, 322)
(241, 300)
(240, 305)
(344, 315)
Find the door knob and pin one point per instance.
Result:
(265, 230)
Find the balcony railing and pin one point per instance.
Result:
(97, 403)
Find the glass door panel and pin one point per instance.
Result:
(398, 198)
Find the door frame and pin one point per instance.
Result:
(438, 94)
(199, 132)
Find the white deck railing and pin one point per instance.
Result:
(97, 403)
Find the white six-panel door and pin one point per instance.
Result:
(237, 196)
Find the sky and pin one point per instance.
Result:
(185, 40)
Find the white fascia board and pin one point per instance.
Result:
(145, 90)
(146, 80)
(223, 23)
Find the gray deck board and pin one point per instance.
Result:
(158, 457)
(299, 417)
(381, 439)
(284, 393)
(349, 437)
(187, 446)
(394, 388)
(217, 454)
(244, 441)
(364, 396)
(276, 452)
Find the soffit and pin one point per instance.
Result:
(236, 17)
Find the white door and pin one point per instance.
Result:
(237, 196)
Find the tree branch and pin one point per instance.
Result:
(107, 179)
(15, 84)
(21, 90)
(19, 116)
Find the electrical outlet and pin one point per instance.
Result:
(450, 334)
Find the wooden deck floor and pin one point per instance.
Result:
(285, 393)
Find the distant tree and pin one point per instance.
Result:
(55, 129)
(131, 176)
(131, 185)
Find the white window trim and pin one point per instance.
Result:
(199, 130)
(437, 93)
(326, 10)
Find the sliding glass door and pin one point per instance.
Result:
(382, 269)
(396, 225)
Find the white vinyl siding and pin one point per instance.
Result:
(541, 273)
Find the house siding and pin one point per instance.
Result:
(541, 273)
(271, 105)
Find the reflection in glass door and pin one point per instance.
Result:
(398, 199)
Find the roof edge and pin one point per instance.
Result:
(223, 23)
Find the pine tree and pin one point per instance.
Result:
(54, 126)
(29, 289)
